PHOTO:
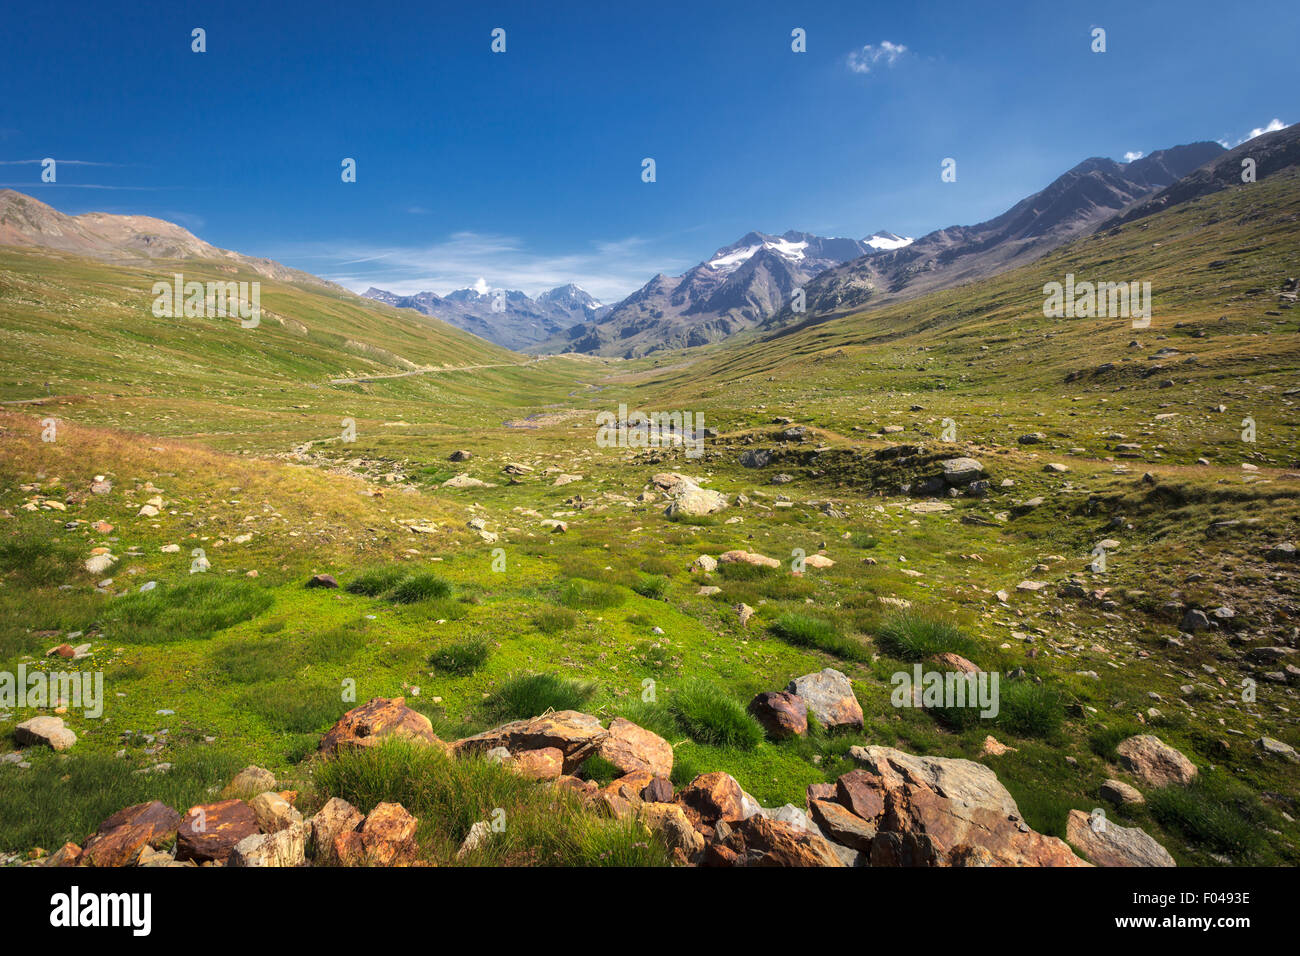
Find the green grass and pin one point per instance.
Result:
(591, 595)
(541, 826)
(654, 587)
(528, 695)
(709, 715)
(461, 657)
(33, 558)
(375, 581)
(421, 587)
(553, 620)
(805, 630)
(195, 609)
(1214, 812)
(916, 636)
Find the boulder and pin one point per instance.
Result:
(748, 557)
(630, 747)
(121, 837)
(673, 827)
(961, 471)
(1154, 762)
(711, 798)
(1106, 843)
(841, 825)
(829, 696)
(273, 812)
(756, 458)
(322, 581)
(248, 783)
(335, 818)
(67, 855)
(286, 847)
(576, 735)
(376, 721)
(545, 763)
(695, 503)
(209, 832)
(759, 841)
(46, 730)
(781, 713)
(1118, 792)
(387, 838)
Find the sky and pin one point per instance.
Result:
(524, 169)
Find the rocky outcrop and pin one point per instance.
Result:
(781, 713)
(386, 838)
(829, 697)
(577, 736)
(1106, 843)
(208, 833)
(376, 721)
(1154, 762)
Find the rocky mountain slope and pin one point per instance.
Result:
(26, 221)
(1075, 204)
(520, 323)
(736, 288)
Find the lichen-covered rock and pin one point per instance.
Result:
(830, 698)
(1106, 843)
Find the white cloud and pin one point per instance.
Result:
(608, 269)
(481, 286)
(1132, 155)
(861, 61)
(1273, 126)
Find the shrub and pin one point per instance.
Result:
(462, 657)
(591, 595)
(1215, 812)
(805, 630)
(1028, 709)
(654, 587)
(421, 587)
(527, 695)
(375, 581)
(916, 636)
(710, 716)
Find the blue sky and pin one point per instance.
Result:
(524, 168)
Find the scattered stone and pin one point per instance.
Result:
(1106, 843)
(49, 731)
(1154, 762)
(781, 713)
(830, 698)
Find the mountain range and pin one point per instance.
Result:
(519, 322)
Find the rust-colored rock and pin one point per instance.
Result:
(781, 713)
(544, 764)
(862, 793)
(712, 797)
(67, 855)
(954, 662)
(209, 832)
(673, 827)
(759, 841)
(575, 734)
(121, 837)
(376, 721)
(387, 838)
(336, 817)
(630, 747)
(841, 825)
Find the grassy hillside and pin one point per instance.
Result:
(239, 668)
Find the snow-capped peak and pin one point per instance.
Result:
(887, 240)
(731, 258)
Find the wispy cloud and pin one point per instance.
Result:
(1273, 126)
(870, 55)
(608, 269)
(61, 162)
